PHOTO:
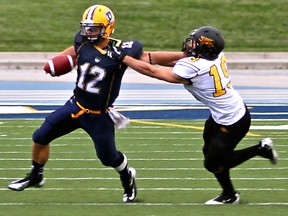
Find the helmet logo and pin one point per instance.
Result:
(109, 17)
(207, 41)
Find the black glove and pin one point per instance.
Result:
(116, 53)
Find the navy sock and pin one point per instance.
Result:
(124, 172)
(37, 168)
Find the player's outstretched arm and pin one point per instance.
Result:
(162, 58)
(158, 72)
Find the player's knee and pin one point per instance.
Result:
(106, 160)
(112, 160)
(39, 138)
(215, 155)
(211, 166)
(213, 161)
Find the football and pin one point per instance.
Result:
(59, 65)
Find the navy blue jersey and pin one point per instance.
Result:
(98, 76)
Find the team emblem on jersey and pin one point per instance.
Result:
(97, 59)
(206, 41)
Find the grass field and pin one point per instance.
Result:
(247, 25)
(170, 176)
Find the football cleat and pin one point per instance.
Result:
(31, 180)
(223, 199)
(267, 150)
(129, 185)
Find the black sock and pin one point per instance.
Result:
(240, 156)
(225, 182)
(37, 168)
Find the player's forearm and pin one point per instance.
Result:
(140, 66)
(163, 58)
(161, 73)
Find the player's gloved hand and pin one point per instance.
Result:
(116, 53)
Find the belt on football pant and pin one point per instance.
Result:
(88, 111)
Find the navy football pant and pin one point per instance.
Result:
(220, 141)
(99, 127)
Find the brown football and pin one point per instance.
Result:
(59, 65)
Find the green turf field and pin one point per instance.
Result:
(170, 177)
(247, 25)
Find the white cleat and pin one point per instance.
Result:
(222, 199)
(268, 151)
(29, 181)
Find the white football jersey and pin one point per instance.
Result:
(211, 86)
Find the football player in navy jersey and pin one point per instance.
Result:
(90, 108)
(205, 76)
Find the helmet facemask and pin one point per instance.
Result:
(93, 32)
(189, 45)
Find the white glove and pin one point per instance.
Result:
(119, 120)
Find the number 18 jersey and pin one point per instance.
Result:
(211, 85)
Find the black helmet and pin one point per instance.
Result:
(208, 40)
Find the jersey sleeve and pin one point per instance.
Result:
(185, 68)
(133, 48)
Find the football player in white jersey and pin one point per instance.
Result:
(204, 74)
